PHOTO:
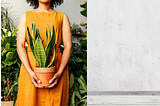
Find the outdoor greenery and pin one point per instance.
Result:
(78, 74)
(41, 53)
(84, 11)
(10, 65)
(6, 19)
(77, 66)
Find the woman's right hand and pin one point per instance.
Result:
(34, 79)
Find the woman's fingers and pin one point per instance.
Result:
(54, 83)
(54, 77)
(35, 81)
(35, 84)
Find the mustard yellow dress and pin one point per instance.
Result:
(28, 95)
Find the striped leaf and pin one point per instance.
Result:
(40, 53)
(36, 34)
(51, 62)
(31, 42)
(50, 31)
(50, 44)
(33, 30)
(46, 39)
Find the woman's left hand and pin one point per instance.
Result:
(54, 80)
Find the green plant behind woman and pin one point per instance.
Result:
(10, 65)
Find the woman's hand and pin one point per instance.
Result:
(54, 80)
(34, 79)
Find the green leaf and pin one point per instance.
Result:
(82, 91)
(78, 60)
(3, 31)
(9, 62)
(72, 100)
(14, 32)
(9, 55)
(36, 34)
(5, 92)
(50, 31)
(11, 88)
(13, 49)
(79, 52)
(79, 72)
(40, 53)
(83, 102)
(6, 34)
(81, 77)
(46, 39)
(75, 88)
(85, 67)
(84, 12)
(50, 44)
(83, 43)
(7, 46)
(3, 56)
(82, 83)
(78, 95)
(84, 5)
(52, 57)
(31, 44)
(71, 80)
(33, 30)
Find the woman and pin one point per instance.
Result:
(29, 93)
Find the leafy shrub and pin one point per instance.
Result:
(10, 65)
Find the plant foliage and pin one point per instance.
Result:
(6, 20)
(41, 53)
(84, 11)
(77, 66)
(10, 65)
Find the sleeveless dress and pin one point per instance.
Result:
(28, 95)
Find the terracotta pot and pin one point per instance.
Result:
(6, 103)
(45, 75)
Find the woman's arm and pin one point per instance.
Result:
(67, 42)
(21, 49)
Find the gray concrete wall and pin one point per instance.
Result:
(123, 45)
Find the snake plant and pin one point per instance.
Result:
(40, 52)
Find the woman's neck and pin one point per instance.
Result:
(44, 7)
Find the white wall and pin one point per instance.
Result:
(70, 7)
(123, 45)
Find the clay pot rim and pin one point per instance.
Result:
(44, 70)
(44, 67)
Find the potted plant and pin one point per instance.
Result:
(45, 69)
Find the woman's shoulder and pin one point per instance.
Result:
(60, 13)
(28, 11)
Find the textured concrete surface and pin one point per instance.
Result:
(103, 100)
(123, 45)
